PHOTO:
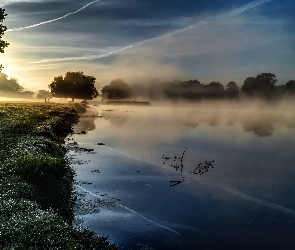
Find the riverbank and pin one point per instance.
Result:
(36, 181)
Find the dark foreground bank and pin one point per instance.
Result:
(36, 181)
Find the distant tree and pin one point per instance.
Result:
(117, 89)
(27, 94)
(290, 87)
(3, 44)
(74, 85)
(188, 90)
(232, 90)
(214, 90)
(43, 94)
(261, 86)
(266, 84)
(280, 91)
(192, 90)
(249, 87)
(9, 85)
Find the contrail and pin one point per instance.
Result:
(175, 32)
(53, 20)
(134, 212)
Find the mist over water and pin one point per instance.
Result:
(214, 176)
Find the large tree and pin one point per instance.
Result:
(74, 85)
(3, 44)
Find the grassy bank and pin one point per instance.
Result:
(36, 181)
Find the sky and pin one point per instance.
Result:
(139, 40)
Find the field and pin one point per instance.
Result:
(36, 180)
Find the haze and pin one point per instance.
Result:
(139, 40)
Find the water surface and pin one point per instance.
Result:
(188, 177)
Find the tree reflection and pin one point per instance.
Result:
(87, 121)
(260, 123)
(261, 126)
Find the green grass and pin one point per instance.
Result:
(36, 181)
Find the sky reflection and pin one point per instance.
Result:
(246, 200)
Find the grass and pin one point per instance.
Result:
(36, 181)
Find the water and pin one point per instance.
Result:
(207, 177)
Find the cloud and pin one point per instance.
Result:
(6, 2)
(53, 20)
(225, 47)
(235, 12)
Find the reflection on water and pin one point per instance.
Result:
(187, 178)
(261, 123)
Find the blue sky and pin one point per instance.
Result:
(136, 40)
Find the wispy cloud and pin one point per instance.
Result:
(6, 2)
(53, 20)
(204, 21)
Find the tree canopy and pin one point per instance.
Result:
(3, 44)
(263, 85)
(290, 87)
(74, 85)
(9, 85)
(232, 90)
(117, 89)
(43, 94)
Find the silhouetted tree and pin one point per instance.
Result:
(232, 90)
(214, 90)
(266, 84)
(74, 85)
(290, 87)
(43, 94)
(9, 85)
(3, 44)
(117, 89)
(261, 86)
(192, 90)
(249, 87)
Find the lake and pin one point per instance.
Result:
(202, 176)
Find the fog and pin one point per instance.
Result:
(256, 117)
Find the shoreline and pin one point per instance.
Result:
(37, 182)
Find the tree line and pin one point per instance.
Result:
(76, 85)
(262, 86)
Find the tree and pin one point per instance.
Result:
(43, 94)
(3, 44)
(290, 87)
(249, 86)
(74, 85)
(232, 90)
(263, 85)
(27, 94)
(214, 90)
(117, 89)
(9, 85)
(266, 84)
